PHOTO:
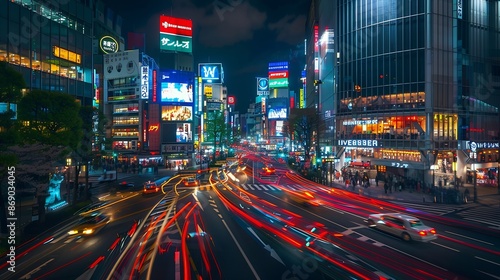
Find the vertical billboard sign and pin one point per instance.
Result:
(263, 86)
(144, 82)
(155, 88)
(301, 98)
(176, 34)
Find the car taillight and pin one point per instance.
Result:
(422, 233)
(433, 231)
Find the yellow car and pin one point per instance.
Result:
(89, 224)
(303, 197)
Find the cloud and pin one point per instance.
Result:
(222, 23)
(289, 29)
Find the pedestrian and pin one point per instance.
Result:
(376, 180)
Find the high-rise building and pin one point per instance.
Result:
(415, 86)
(50, 44)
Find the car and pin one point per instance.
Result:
(303, 197)
(407, 227)
(190, 182)
(150, 188)
(268, 170)
(126, 185)
(89, 224)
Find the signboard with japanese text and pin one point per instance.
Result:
(144, 82)
(278, 83)
(176, 26)
(121, 65)
(207, 90)
(176, 34)
(177, 148)
(211, 72)
(169, 42)
(108, 44)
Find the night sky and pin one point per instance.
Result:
(243, 35)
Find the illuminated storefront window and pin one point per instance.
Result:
(125, 132)
(445, 127)
(126, 121)
(395, 127)
(126, 108)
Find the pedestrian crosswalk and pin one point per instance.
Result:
(266, 187)
(436, 209)
(488, 216)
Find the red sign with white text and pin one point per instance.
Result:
(278, 75)
(231, 100)
(176, 26)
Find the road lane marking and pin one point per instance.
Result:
(489, 274)
(487, 260)
(28, 275)
(449, 248)
(469, 238)
(241, 251)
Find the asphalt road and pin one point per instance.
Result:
(232, 232)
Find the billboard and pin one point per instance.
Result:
(211, 72)
(277, 113)
(176, 113)
(262, 86)
(183, 133)
(176, 34)
(145, 82)
(278, 74)
(121, 64)
(231, 100)
(278, 66)
(176, 92)
(278, 83)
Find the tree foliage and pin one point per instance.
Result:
(302, 123)
(11, 86)
(50, 118)
(216, 129)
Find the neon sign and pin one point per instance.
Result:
(153, 127)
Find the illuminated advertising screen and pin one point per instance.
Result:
(176, 93)
(176, 34)
(176, 113)
(278, 74)
(183, 133)
(277, 113)
(211, 72)
(278, 83)
(278, 66)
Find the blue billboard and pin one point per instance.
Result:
(176, 87)
(211, 72)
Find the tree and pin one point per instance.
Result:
(216, 129)
(50, 118)
(302, 123)
(11, 86)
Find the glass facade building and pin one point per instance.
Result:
(50, 43)
(416, 85)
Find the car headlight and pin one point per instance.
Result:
(71, 232)
(88, 231)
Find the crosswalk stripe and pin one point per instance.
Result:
(264, 187)
(257, 187)
(271, 188)
(291, 188)
(244, 187)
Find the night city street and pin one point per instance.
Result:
(231, 139)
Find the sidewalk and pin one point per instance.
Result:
(486, 196)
